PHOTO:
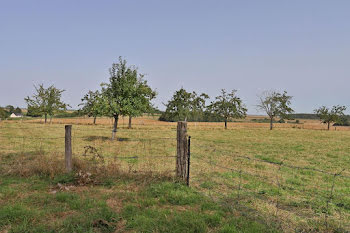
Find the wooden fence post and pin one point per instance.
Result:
(68, 147)
(182, 151)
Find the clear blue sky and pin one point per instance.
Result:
(302, 46)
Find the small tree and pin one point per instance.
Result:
(92, 104)
(228, 105)
(17, 110)
(10, 108)
(275, 104)
(198, 106)
(184, 106)
(328, 116)
(46, 101)
(4, 114)
(141, 98)
(117, 94)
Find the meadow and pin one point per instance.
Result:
(295, 178)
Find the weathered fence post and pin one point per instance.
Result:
(182, 151)
(68, 147)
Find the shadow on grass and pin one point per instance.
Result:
(104, 138)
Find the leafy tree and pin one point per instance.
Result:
(275, 104)
(31, 111)
(117, 95)
(142, 94)
(327, 116)
(4, 114)
(10, 108)
(154, 110)
(198, 106)
(92, 104)
(343, 121)
(17, 110)
(228, 105)
(46, 101)
(184, 106)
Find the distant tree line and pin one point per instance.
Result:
(343, 120)
(127, 93)
(186, 106)
(334, 115)
(5, 112)
(308, 116)
(189, 106)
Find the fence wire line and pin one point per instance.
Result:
(143, 157)
(136, 156)
(93, 128)
(313, 191)
(235, 170)
(292, 166)
(86, 137)
(274, 163)
(34, 138)
(224, 199)
(168, 138)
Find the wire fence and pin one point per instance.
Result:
(323, 200)
(130, 147)
(324, 204)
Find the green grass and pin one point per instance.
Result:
(254, 195)
(155, 207)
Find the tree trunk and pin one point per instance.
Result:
(50, 119)
(115, 126)
(328, 125)
(45, 118)
(225, 123)
(271, 123)
(94, 120)
(129, 122)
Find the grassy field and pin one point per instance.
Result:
(295, 178)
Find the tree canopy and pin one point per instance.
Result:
(92, 104)
(141, 98)
(228, 105)
(185, 106)
(275, 104)
(328, 116)
(46, 101)
(126, 94)
(4, 114)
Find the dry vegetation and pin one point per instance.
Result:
(151, 121)
(287, 176)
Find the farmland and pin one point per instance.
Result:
(247, 178)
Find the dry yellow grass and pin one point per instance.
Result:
(152, 121)
(300, 199)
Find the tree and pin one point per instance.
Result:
(343, 121)
(327, 116)
(92, 104)
(46, 101)
(10, 108)
(228, 105)
(275, 104)
(17, 110)
(142, 94)
(4, 114)
(198, 106)
(32, 112)
(184, 106)
(117, 95)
